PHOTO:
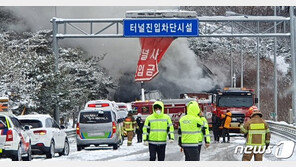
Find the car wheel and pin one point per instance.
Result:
(51, 152)
(66, 149)
(29, 152)
(18, 154)
(79, 148)
(115, 146)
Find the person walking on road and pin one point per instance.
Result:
(156, 128)
(190, 132)
(258, 136)
(205, 135)
(139, 129)
(226, 125)
(215, 125)
(129, 125)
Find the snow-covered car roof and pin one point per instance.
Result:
(121, 104)
(112, 104)
(34, 116)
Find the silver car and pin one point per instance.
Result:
(98, 127)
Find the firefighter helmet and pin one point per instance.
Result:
(252, 109)
(256, 112)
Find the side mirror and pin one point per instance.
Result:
(63, 127)
(27, 127)
(256, 100)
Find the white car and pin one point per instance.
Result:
(15, 142)
(123, 110)
(47, 137)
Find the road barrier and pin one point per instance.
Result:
(285, 130)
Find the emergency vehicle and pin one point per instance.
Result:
(237, 101)
(15, 142)
(205, 101)
(175, 108)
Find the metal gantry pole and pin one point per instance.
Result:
(258, 69)
(275, 72)
(56, 53)
(292, 30)
(142, 91)
(231, 57)
(231, 66)
(242, 64)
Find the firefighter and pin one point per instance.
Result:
(139, 129)
(226, 125)
(258, 135)
(205, 135)
(156, 128)
(216, 124)
(190, 130)
(129, 125)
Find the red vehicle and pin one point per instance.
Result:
(205, 101)
(238, 101)
(175, 108)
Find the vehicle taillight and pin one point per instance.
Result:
(98, 105)
(77, 129)
(105, 105)
(92, 105)
(40, 144)
(113, 127)
(39, 132)
(9, 135)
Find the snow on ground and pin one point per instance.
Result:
(139, 152)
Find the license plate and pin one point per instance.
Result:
(234, 124)
(96, 134)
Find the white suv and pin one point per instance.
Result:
(15, 142)
(47, 136)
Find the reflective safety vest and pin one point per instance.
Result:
(156, 129)
(191, 130)
(205, 131)
(129, 124)
(258, 133)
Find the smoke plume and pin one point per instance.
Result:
(179, 70)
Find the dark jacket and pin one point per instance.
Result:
(216, 121)
(140, 124)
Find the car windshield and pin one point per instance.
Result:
(33, 123)
(2, 123)
(235, 101)
(95, 117)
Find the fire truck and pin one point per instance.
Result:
(237, 101)
(175, 108)
(205, 101)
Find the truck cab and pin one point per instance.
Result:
(237, 101)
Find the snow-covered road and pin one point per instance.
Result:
(139, 152)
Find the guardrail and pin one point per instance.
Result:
(71, 133)
(285, 130)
